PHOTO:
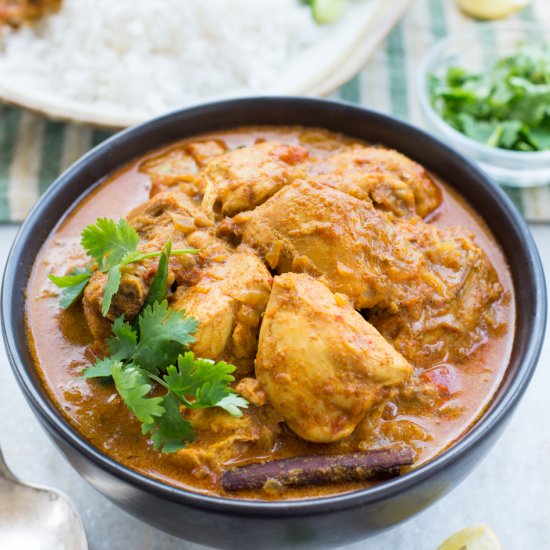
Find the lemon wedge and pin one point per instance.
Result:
(481, 537)
(492, 9)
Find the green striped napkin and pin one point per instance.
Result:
(35, 150)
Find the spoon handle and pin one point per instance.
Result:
(5, 472)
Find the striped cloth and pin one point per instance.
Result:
(35, 150)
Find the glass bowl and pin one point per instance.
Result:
(476, 48)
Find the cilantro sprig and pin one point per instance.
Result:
(113, 246)
(151, 353)
(507, 106)
(157, 354)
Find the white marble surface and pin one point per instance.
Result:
(510, 490)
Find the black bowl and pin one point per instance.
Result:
(313, 523)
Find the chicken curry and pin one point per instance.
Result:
(343, 316)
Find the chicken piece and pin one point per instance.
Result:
(18, 12)
(320, 363)
(393, 182)
(169, 169)
(320, 142)
(136, 282)
(175, 216)
(252, 391)
(449, 324)
(244, 178)
(222, 439)
(128, 301)
(309, 227)
(167, 216)
(228, 300)
(204, 151)
(180, 166)
(92, 302)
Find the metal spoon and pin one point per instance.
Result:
(37, 518)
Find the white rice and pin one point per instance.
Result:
(154, 55)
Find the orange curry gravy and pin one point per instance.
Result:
(60, 339)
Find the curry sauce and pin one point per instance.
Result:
(453, 371)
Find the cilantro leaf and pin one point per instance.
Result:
(169, 432)
(72, 285)
(202, 383)
(102, 368)
(138, 256)
(541, 136)
(124, 342)
(164, 334)
(477, 129)
(111, 287)
(191, 374)
(132, 385)
(233, 404)
(158, 287)
(511, 131)
(109, 242)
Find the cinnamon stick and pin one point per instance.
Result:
(319, 469)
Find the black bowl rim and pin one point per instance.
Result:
(484, 427)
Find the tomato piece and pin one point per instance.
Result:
(443, 378)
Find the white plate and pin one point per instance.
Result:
(318, 70)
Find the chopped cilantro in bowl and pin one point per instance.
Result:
(486, 92)
(507, 106)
